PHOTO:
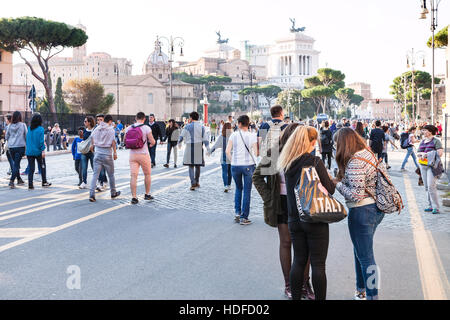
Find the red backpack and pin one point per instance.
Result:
(134, 138)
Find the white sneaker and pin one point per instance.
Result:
(359, 296)
(83, 186)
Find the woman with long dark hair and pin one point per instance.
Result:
(357, 179)
(172, 134)
(36, 150)
(360, 130)
(310, 240)
(89, 124)
(221, 143)
(16, 135)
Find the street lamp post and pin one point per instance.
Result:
(411, 58)
(116, 66)
(171, 43)
(251, 75)
(434, 4)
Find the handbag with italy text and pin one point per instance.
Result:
(314, 203)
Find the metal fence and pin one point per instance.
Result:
(73, 121)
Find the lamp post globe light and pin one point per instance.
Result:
(412, 57)
(252, 76)
(434, 4)
(171, 44)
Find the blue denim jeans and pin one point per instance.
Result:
(85, 158)
(152, 151)
(242, 176)
(226, 174)
(362, 223)
(16, 156)
(410, 152)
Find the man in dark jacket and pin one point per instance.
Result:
(156, 132)
(326, 143)
(377, 139)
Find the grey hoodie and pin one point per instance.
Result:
(16, 135)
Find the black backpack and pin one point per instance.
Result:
(324, 138)
(404, 143)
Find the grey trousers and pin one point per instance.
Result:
(195, 176)
(429, 182)
(103, 161)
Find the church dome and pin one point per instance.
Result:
(157, 59)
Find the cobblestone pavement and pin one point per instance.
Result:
(210, 198)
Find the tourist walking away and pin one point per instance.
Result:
(326, 143)
(270, 132)
(136, 138)
(360, 130)
(77, 155)
(172, 135)
(8, 153)
(156, 132)
(102, 180)
(35, 150)
(356, 181)
(388, 139)
(407, 141)
(48, 138)
(272, 189)
(103, 140)
(221, 143)
(377, 138)
(240, 151)
(194, 135)
(16, 135)
(309, 240)
(88, 156)
(65, 142)
(56, 132)
(430, 152)
(213, 128)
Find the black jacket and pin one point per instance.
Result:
(326, 133)
(156, 131)
(292, 176)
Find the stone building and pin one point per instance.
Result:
(12, 97)
(77, 67)
(287, 62)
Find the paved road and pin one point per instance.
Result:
(185, 245)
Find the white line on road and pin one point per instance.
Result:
(89, 217)
(428, 258)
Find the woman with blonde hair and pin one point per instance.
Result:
(308, 239)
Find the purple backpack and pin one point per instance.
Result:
(134, 138)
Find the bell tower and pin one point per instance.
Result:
(80, 52)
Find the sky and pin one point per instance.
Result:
(365, 39)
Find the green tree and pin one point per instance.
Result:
(88, 96)
(297, 104)
(42, 105)
(269, 92)
(422, 81)
(60, 105)
(440, 39)
(345, 95)
(42, 38)
(321, 88)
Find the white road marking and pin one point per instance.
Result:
(89, 217)
(431, 276)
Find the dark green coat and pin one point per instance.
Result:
(268, 186)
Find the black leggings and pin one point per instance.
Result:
(309, 239)
(325, 155)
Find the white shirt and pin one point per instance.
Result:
(239, 154)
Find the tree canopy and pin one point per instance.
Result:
(42, 38)
(322, 87)
(440, 39)
(292, 101)
(88, 96)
